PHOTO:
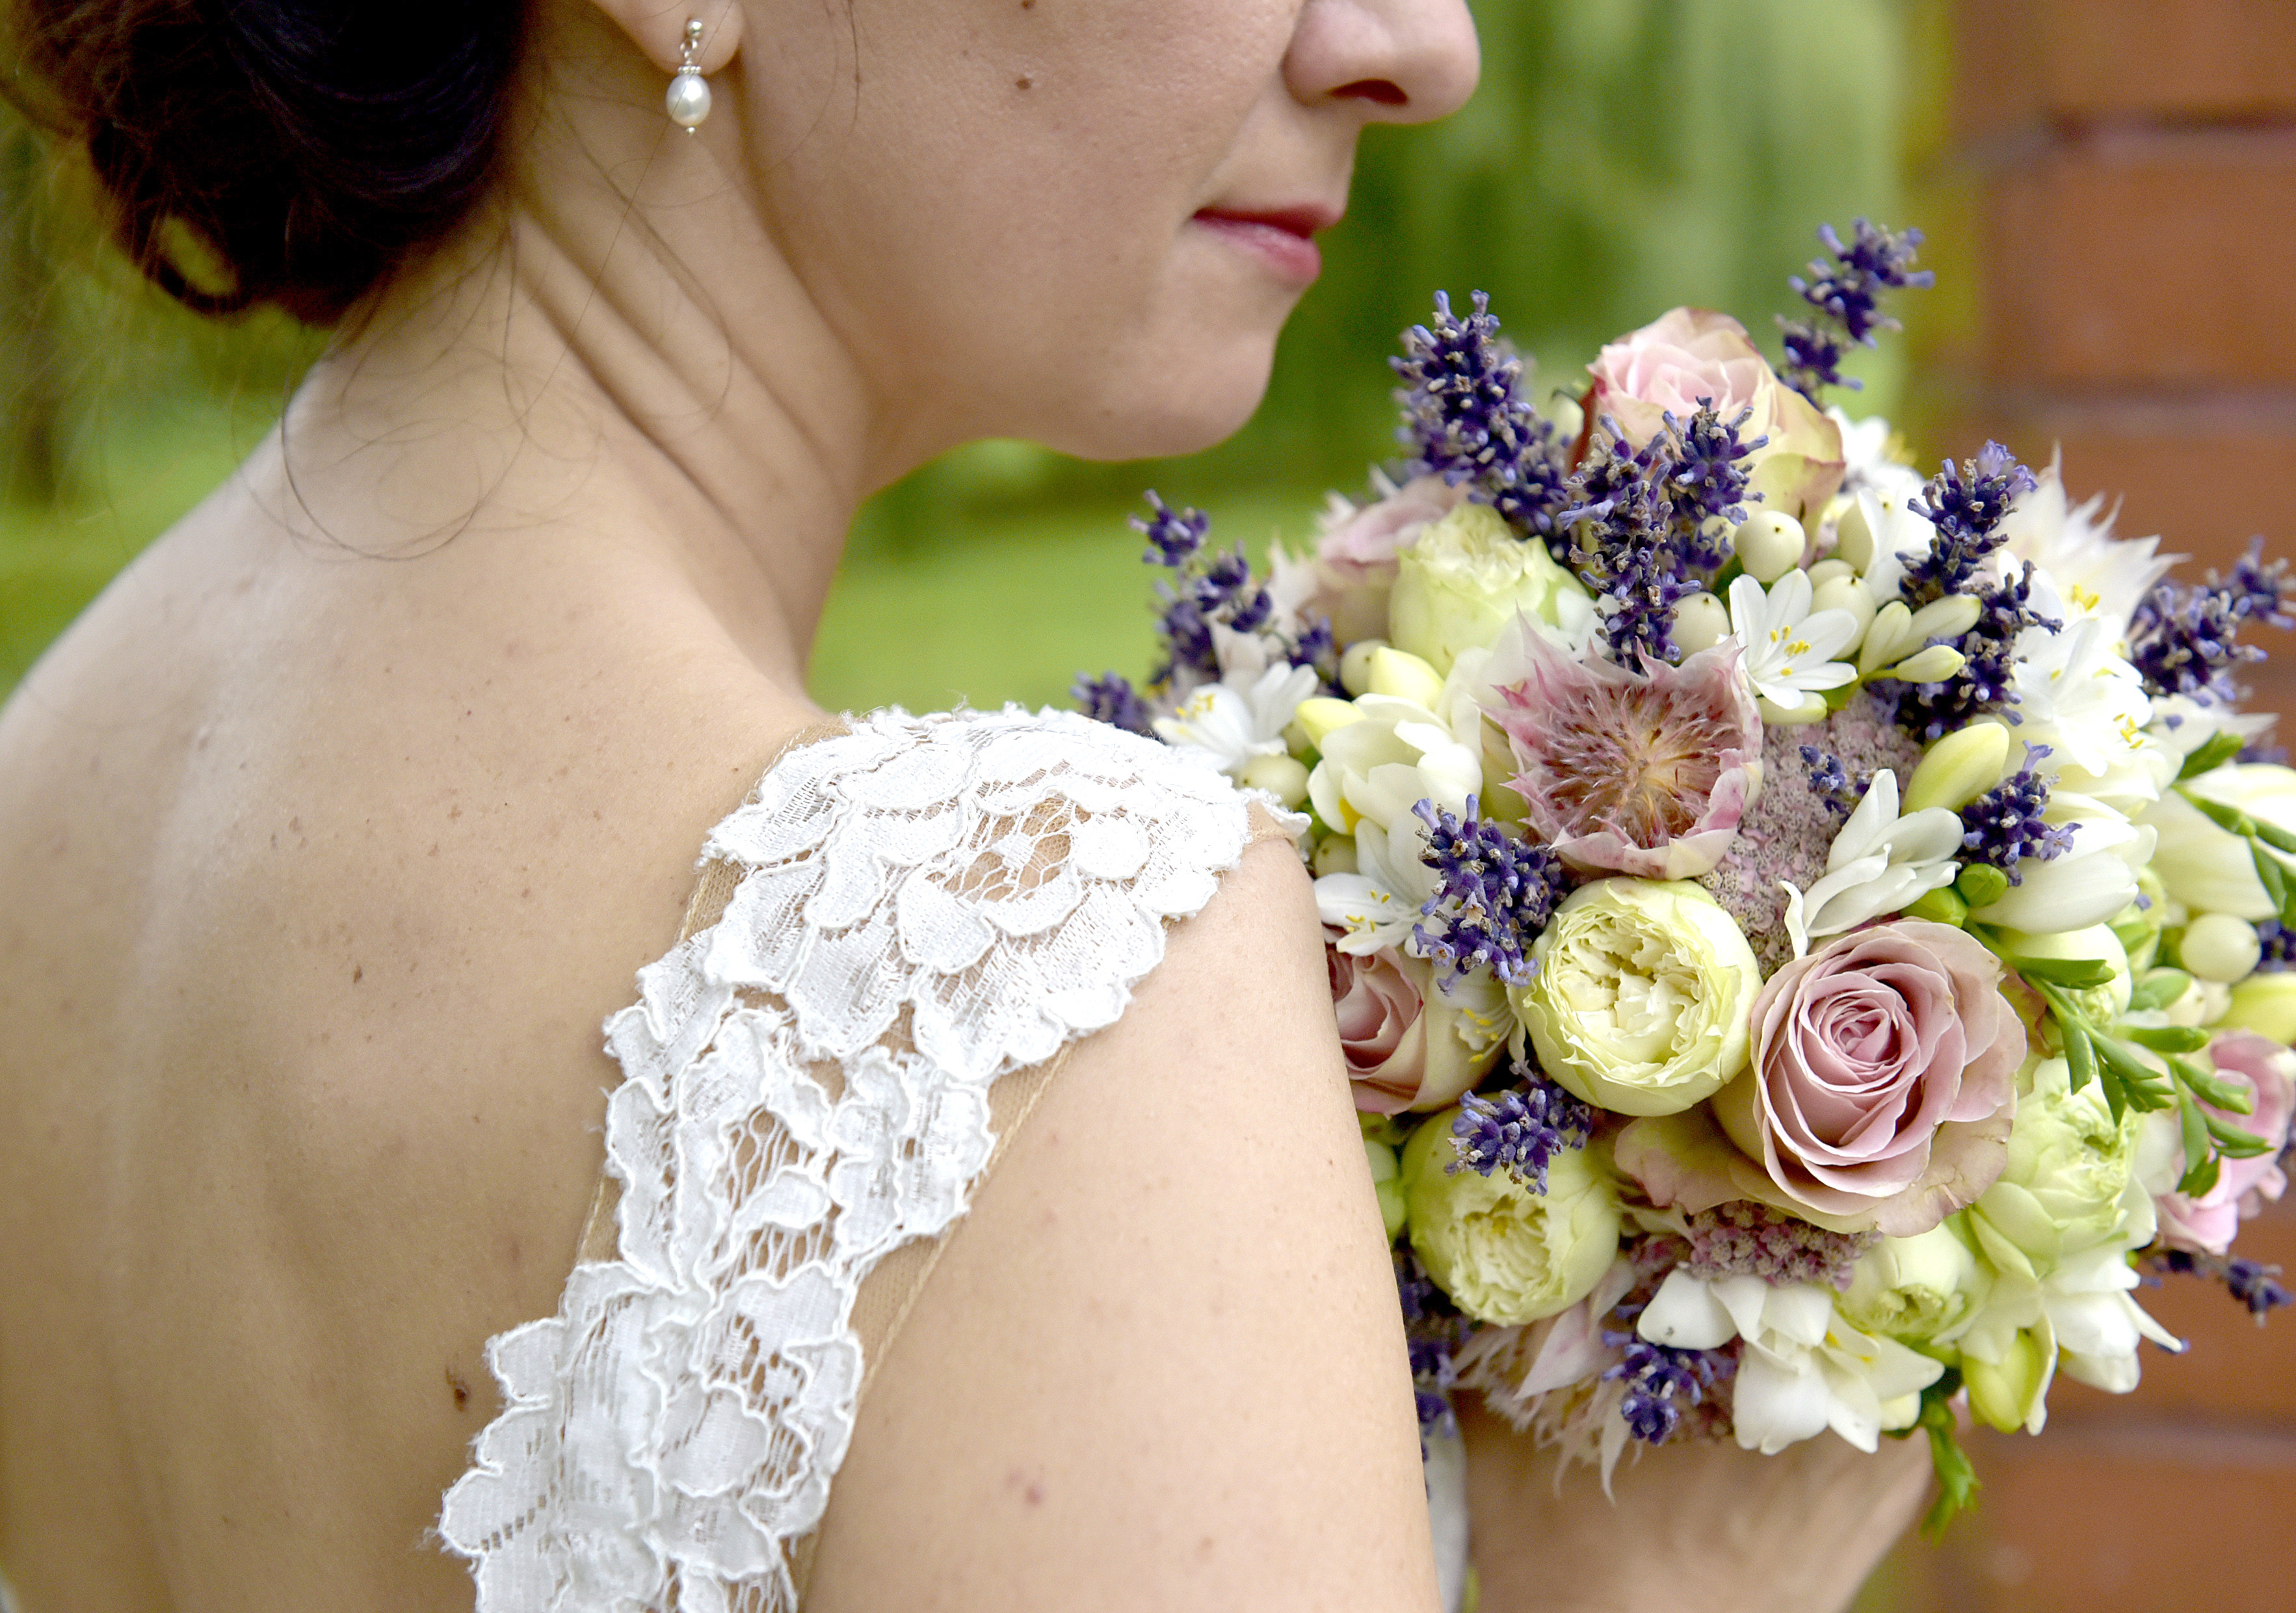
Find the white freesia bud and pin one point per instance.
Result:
(1355, 665)
(1843, 592)
(1829, 569)
(1853, 538)
(1777, 716)
(1959, 768)
(1769, 544)
(1701, 622)
(1281, 776)
(1336, 855)
(1946, 618)
(1407, 676)
(2095, 943)
(1317, 718)
(1934, 664)
(1887, 636)
(2265, 1003)
(2220, 947)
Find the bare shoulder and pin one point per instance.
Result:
(1159, 1363)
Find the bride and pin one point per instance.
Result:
(334, 830)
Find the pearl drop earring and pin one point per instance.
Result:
(688, 100)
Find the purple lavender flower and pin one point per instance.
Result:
(1173, 537)
(1662, 1381)
(1705, 479)
(1847, 295)
(1965, 503)
(1433, 1333)
(1830, 783)
(2253, 1283)
(1646, 524)
(1741, 1238)
(1207, 589)
(2183, 640)
(2279, 943)
(1519, 1131)
(2004, 825)
(2265, 588)
(1464, 415)
(1497, 894)
(1111, 698)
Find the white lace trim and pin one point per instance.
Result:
(927, 903)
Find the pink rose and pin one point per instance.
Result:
(1884, 1077)
(1629, 772)
(1403, 1051)
(1356, 554)
(2207, 1224)
(1688, 354)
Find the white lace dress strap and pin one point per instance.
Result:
(925, 905)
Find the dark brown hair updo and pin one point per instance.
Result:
(287, 151)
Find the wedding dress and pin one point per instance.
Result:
(896, 938)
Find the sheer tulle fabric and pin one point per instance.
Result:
(925, 904)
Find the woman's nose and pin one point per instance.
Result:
(1396, 61)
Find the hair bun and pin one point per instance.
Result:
(289, 151)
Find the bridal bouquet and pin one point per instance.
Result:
(1809, 941)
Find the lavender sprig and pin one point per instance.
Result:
(1705, 477)
(2004, 826)
(1111, 698)
(1846, 296)
(1209, 588)
(1965, 503)
(1433, 1333)
(1174, 536)
(2184, 639)
(1662, 1381)
(1496, 895)
(1519, 1131)
(2253, 1283)
(1466, 420)
(2264, 587)
(1830, 782)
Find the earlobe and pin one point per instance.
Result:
(658, 28)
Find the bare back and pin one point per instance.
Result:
(321, 873)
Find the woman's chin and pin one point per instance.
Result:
(1180, 412)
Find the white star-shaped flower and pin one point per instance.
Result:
(1790, 648)
(1225, 724)
(1878, 863)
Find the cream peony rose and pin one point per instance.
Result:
(1641, 999)
(1688, 354)
(1466, 577)
(1503, 1252)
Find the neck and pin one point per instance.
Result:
(617, 351)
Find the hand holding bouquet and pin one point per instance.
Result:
(1806, 936)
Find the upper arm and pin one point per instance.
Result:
(1160, 1364)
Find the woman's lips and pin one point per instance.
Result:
(1283, 240)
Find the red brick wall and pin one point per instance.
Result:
(2135, 163)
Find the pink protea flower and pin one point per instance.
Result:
(1644, 773)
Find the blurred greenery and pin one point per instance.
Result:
(1621, 157)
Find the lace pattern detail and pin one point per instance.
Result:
(925, 904)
